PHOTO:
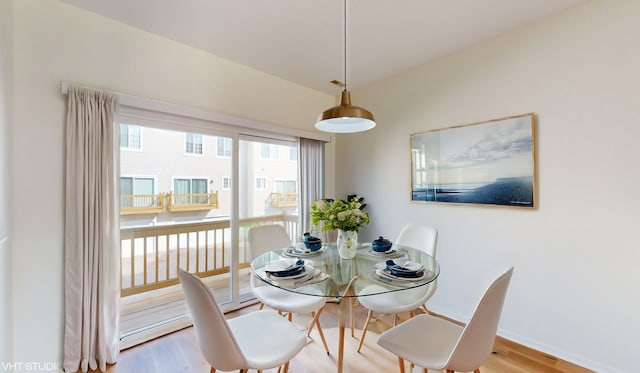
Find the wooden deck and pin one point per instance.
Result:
(139, 313)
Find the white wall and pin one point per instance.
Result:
(55, 42)
(6, 60)
(574, 291)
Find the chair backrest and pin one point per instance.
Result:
(263, 238)
(476, 342)
(423, 238)
(217, 343)
(419, 237)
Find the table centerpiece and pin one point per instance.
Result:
(347, 217)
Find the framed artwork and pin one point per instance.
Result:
(486, 163)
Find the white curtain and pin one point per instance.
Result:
(92, 243)
(311, 178)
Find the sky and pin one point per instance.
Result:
(478, 153)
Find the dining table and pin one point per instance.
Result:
(328, 275)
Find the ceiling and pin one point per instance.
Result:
(303, 40)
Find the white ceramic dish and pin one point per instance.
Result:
(282, 265)
(300, 251)
(305, 272)
(385, 274)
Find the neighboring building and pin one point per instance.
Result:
(170, 176)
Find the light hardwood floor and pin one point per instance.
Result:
(179, 352)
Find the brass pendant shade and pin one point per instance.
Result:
(345, 118)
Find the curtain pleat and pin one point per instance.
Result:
(92, 242)
(311, 176)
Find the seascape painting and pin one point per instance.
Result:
(487, 163)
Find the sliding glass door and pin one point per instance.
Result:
(187, 200)
(265, 166)
(176, 209)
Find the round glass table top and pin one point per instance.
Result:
(324, 273)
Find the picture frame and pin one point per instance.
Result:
(485, 163)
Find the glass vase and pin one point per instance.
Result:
(347, 243)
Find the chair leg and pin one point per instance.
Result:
(213, 370)
(261, 306)
(316, 321)
(477, 370)
(401, 364)
(315, 316)
(353, 319)
(364, 329)
(424, 307)
(324, 341)
(286, 367)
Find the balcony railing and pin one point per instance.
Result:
(141, 203)
(192, 202)
(285, 199)
(156, 203)
(150, 256)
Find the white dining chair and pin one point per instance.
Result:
(419, 237)
(257, 340)
(265, 238)
(431, 342)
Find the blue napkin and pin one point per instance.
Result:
(400, 271)
(294, 269)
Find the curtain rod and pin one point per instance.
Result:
(167, 107)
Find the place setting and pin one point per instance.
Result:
(292, 273)
(382, 247)
(402, 272)
(310, 246)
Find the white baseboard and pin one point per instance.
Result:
(547, 349)
(143, 335)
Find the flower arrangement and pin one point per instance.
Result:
(346, 215)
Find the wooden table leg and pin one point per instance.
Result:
(343, 314)
(342, 321)
(341, 349)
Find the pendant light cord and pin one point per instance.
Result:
(345, 45)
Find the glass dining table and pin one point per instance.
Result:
(328, 275)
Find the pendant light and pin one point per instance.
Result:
(345, 118)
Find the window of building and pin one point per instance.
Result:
(130, 137)
(223, 147)
(136, 186)
(285, 186)
(293, 153)
(261, 183)
(269, 151)
(226, 183)
(186, 190)
(193, 143)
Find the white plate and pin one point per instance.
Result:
(391, 251)
(280, 265)
(412, 266)
(301, 251)
(306, 271)
(385, 274)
